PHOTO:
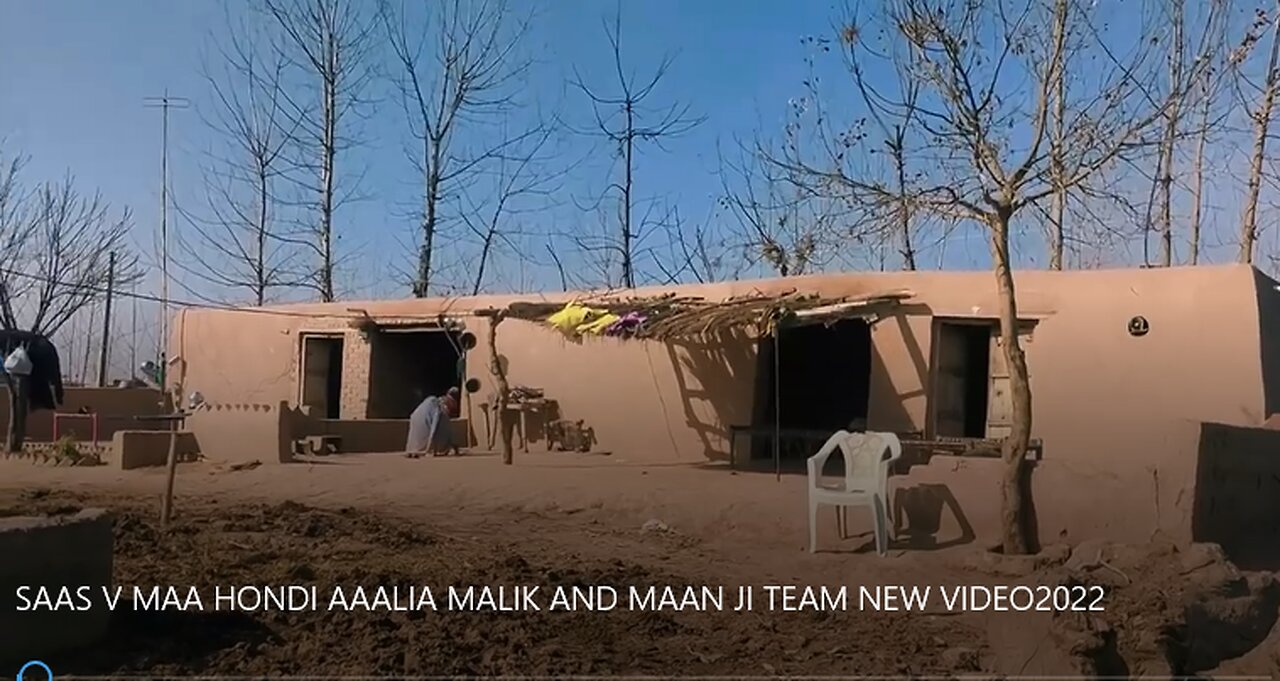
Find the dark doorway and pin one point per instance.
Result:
(322, 375)
(823, 377)
(407, 366)
(962, 379)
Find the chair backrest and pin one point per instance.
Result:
(867, 459)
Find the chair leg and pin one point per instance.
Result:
(813, 526)
(896, 524)
(879, 517)
(842, 521)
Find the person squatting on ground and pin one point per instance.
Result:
(430, 430)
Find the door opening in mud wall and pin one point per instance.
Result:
(409, 365)
(823, 376)
(970, 395)
(321, 388)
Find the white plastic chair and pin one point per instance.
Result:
(867, 459)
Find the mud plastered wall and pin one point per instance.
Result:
(1100, 395)
(61, 551)
(115, 408)
(132, 449)
(242, 432)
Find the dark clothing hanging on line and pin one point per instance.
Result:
(46, 369)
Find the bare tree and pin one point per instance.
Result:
(1057, 169)
(779, 223)
(239, 242)
(460, 67)
(1164, 178)
(330, 44)
(625, 119)
(876, 233)
(1179, 48)
(1210, 85)
(895, 136)
(16, 228)
(703, 252)
(66, 257)
(57, 245)
(519, 173)
(987, 76)
(1261, 118)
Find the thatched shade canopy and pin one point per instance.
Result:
(671, 317)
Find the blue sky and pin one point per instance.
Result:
(74, 74)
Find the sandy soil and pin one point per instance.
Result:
(551, 520)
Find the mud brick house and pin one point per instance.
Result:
(1151, 387)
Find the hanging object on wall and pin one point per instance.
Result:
(18, 363)
(1138, 326)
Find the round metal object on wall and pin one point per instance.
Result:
(472, 385)
(467, 340)
(1139, 326)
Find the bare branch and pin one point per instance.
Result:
(625, 120)
(329, 47)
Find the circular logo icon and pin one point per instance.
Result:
(1139, 326)
(26, 668)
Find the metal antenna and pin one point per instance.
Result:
(164, 103)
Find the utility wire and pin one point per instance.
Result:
(200, 305)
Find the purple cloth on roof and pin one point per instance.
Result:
(629, 323)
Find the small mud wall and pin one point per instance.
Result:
(359, 436)
(1237, 493)
(132, 449)
(243, 432)
(53, 552)
(115, 408)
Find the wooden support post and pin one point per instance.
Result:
(166, 510)
(777, 408)
(505, 424)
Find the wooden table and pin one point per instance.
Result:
(522, 409)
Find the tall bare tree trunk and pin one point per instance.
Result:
(430, 218)
(1261, 125)
(1165, 177)
(904, 201)
(330, 153)
(628, 273)
(1058, 211)
(1015, 497)
(260, 265)
(1197, 188)
(505, 424)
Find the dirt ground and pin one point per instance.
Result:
(386, 520)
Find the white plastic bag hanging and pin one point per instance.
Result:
(18, 363)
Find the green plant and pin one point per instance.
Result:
(65, 449)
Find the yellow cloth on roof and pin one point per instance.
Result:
(571, 317)
(598, 325)
(574, 316)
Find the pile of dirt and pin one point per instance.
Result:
(1168, 611)
(289, 543)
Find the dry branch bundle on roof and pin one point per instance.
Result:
(669, 316)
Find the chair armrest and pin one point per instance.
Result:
(815, 465)
(817, 461)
